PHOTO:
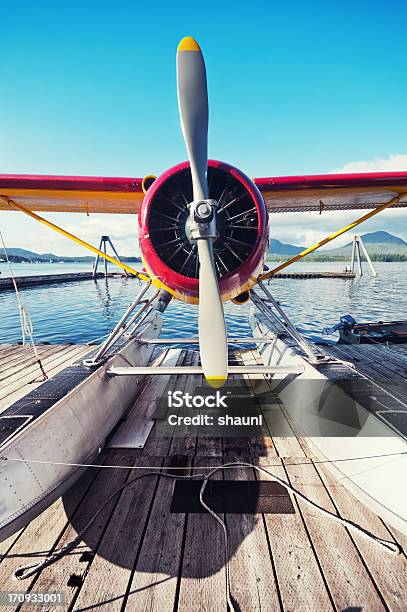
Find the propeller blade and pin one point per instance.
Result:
(193, 109)
(213, 343)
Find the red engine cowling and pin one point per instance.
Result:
(242, 226)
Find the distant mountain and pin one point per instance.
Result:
(381, 246)
(28, 256)
(25, 255)
(281, 248)
(380, 237)
(21, 253)
(377, 244)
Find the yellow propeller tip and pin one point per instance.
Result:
(188, 44)
(216, 381)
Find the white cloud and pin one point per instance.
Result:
(20, 231)
(305, 229)
(394, 162)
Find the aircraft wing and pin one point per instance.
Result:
(332, 191)
(85, 194)
(319, 193)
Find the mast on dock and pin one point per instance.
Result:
(104, 241)
(356, 246)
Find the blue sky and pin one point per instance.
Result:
(89, 88)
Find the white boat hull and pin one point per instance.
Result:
(363, 452)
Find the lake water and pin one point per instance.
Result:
(84, 311)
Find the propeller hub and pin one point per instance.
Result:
(204, 212)
(201, 223)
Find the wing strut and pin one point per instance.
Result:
(316, 246)
(13, 204)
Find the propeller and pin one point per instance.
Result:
(193, 109)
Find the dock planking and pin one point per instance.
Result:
(139, 556)
(20, 372)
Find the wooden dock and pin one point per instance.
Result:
(306, 275)
(49, 279)
(139, 556)
(19, 371)
(6, 284)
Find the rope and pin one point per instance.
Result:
(30, 569)
(209, 467)
(25, 319)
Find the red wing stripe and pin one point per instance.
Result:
(329, 181)
(69, 183)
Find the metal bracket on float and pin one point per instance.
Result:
(124, 325)
(196, 340)
(272, 310)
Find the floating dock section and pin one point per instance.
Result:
(47, 279)
(305, 275)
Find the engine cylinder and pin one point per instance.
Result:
(169, 254)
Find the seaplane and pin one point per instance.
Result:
(203, 231)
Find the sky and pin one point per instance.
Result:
(89, 88)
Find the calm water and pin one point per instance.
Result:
(81, 312)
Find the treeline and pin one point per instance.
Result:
(14, 259)
(387, 257)
(21, 259)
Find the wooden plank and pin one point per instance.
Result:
(8, 543)
(41, 536)
(25, 385)
(394, 352)
(261, 385)
(377, 373)
(381, 384)
(22, 359)
(388, 571)
(364, 360)
(32, 372)
(252, 579)
(68, 573)
(391, 357)
(157, 443)
(154, 583)
(185, 437)
(349, 582)
(399, 537)
(207, 446)
(106, 582)
(5, 347)
(300, 581)
(203, 578)
(285, 441)
(13, 352)
(262, 445)
(379, 360)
